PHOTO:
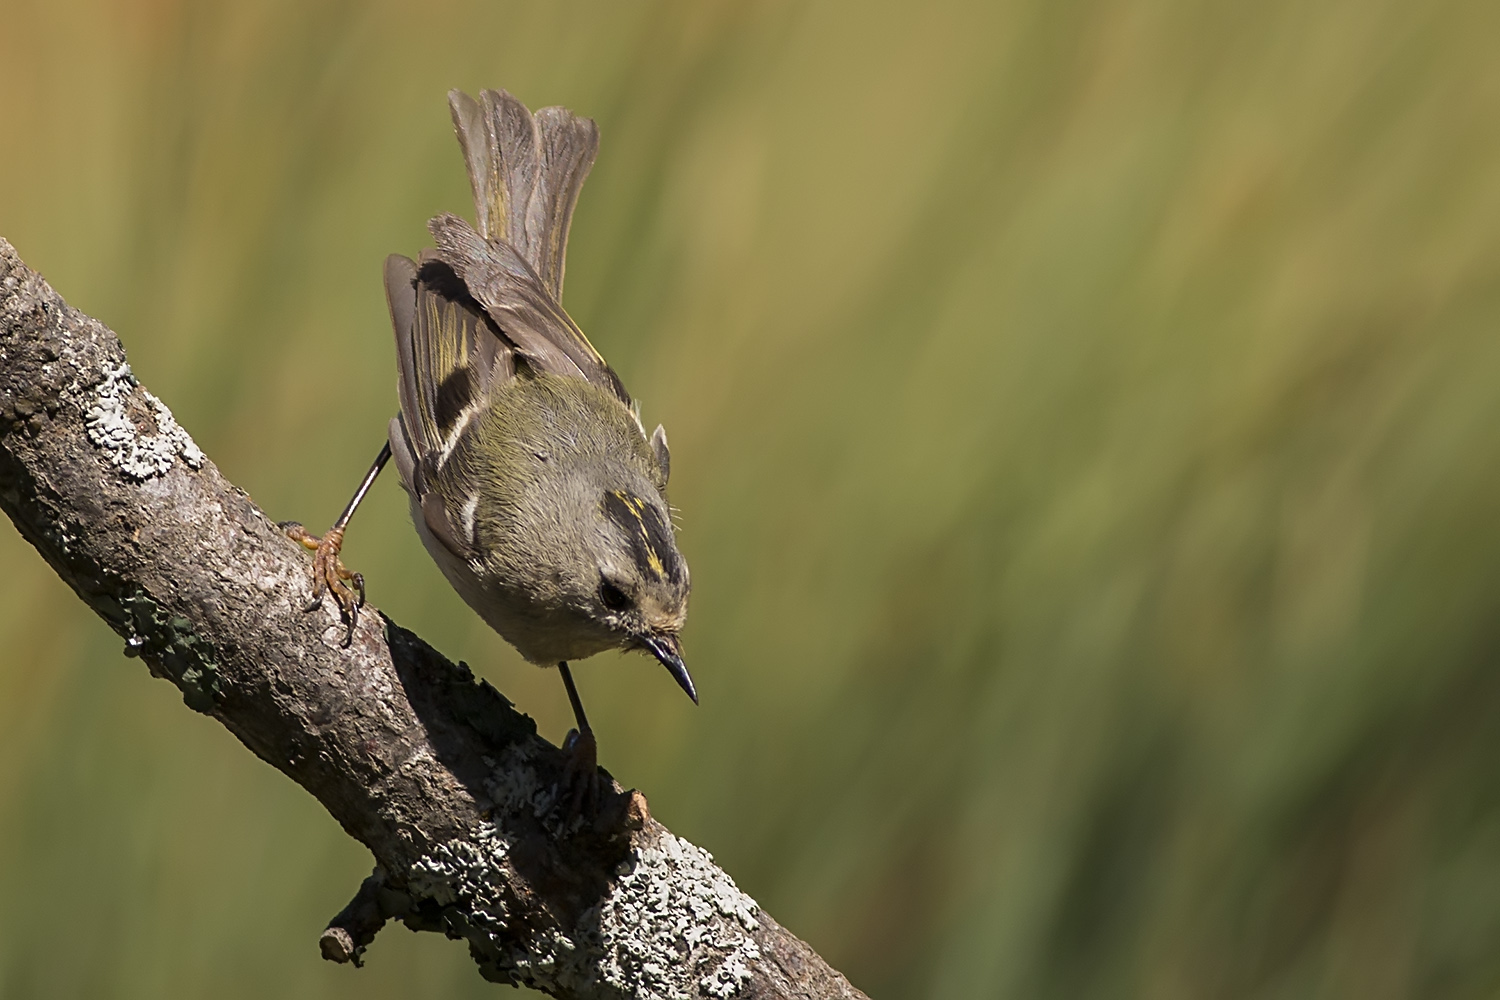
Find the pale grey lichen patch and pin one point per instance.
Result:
(110, 427)
(671, 924)
(514, 786)
(676, 924)
(463, 871)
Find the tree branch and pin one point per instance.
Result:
(449, 787)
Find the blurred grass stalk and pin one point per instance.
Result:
(1085, 422)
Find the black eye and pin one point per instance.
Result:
(613, 597)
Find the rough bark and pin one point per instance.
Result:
(451, 789)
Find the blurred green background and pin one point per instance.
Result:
(1086, 422)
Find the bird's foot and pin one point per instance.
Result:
(330, 574)
(580, 782)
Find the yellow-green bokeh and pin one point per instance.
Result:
(1085, 421)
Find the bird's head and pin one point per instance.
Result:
(641, 592)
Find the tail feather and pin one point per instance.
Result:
(475, 137)
(526, 173)
(568, 147)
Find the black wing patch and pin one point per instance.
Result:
(454, 394)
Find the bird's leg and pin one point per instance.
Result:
(329, 572)
(581, 778)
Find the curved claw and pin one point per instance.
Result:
(330, 574)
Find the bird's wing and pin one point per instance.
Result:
(449, 359)
(516, 299)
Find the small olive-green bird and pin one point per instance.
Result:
(532, 481)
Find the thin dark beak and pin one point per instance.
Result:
(666, 649)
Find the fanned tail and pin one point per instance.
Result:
(526, 172)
